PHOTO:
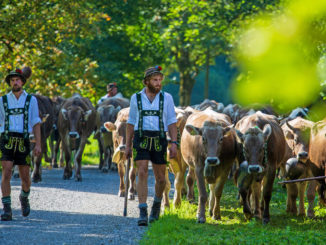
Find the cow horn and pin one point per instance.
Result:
(289, 126)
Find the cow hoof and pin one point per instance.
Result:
(121, 194)
(105, 170)
(55, 165)
(16, 176)
(131, 196)
(201, 220)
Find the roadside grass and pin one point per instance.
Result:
(178, 226)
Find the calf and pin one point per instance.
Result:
(263, 148)
(208, 148)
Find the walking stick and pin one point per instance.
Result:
(302, 180)
(127, 188)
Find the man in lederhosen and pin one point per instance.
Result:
(151, 115)
(19, 116)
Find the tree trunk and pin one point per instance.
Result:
(207, 75)
(187, 77)
(186, 85)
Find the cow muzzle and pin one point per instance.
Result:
(74, 135)
(303, 156)
(254, 169)
(212, 161)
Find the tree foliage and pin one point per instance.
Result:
(80, 46)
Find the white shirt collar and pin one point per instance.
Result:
(24, 93)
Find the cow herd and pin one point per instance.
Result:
(216, 142)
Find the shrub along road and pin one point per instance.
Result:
(69, 212)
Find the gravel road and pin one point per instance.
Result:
(69, 212)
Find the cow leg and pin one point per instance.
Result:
(178, 185)
(218, 194)
(45, 152)
(190, 184)
(78, 160)
(292, 193)
(100, 147)
(132, 181)
(255, 196)
(302, 188)
(15, 172)
(267, 193)
(211, 198)
(166, 203)
(245, 202)
(311, 193)
(36, 175)
(199, 170)
(67, 171)
(121, 171)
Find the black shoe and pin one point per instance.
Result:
(143, 217)
(25, 205)
(155, 213)
(7, 213)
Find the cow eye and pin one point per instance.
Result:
(221, 140)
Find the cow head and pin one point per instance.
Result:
(76, 118)
(298, 140)
(254, 143)
(107, 113)
(212, 135)
(118, 134)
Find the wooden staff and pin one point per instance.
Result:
(127, 188)
(301, 180)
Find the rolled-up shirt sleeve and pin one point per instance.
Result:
(33, 113)
(171, 117)
(132, 119)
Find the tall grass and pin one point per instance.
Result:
(178, 226)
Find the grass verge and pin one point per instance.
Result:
(178, 226)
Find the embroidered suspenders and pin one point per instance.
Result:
(16, 111)
(143, 113)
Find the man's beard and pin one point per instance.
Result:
(152, 89)
(16, 89)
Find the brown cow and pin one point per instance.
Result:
(107, 112)
(75, 124)
(208, 148)
(297, 135)
(46, 112)
(118, 130)
(263, 148)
